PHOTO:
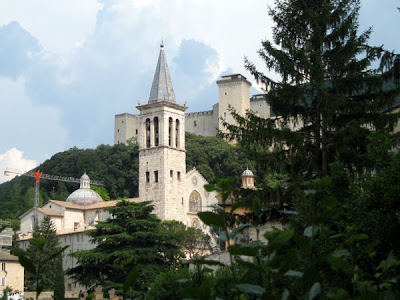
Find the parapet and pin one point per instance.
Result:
(258, 97)
(233, 78)
(199, 113)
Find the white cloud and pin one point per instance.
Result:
(13, 158)
(59, 25)
(25, 125)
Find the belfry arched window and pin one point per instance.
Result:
(147, 133)
(194, 202)
(170, 121)
(177, 133)
(156, 132)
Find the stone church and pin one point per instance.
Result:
(163, 179)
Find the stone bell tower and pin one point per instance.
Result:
(162, 154)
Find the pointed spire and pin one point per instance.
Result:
(162, 89)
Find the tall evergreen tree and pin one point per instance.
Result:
(130, 251)
(40, 255)
(328, 96)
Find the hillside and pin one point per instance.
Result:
(117, 167)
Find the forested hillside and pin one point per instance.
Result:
(117, 167)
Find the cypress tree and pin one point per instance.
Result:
(329, 98)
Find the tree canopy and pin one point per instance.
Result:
(130, 250)
(329, 97)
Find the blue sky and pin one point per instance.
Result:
(68, 66)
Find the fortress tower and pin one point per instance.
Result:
(234, 90)
(162, 154)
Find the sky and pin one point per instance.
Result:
(68, 66)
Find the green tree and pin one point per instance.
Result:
(41, 260)
(329, 98)
(130, 250)
(47, 230)
(101, 191)
(193, 241)
(59, 287)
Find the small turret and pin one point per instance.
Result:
(247, 179)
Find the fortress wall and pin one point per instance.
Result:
(203, 123)
(260, 107)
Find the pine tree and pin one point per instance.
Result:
(130, 250)
(328, 97)
(40, 255)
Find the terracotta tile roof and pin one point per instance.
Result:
(4, 256)
(110, 203)
(98, 205)
(66, 204)
(50, 212)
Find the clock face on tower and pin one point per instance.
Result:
(194, 202)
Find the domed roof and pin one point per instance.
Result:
(84, 195)
(247, 172)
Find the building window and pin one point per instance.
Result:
(136, 131)
(226, 93)
(224, 115)
(147, 133)
(118, 142)
(156, 132)
(156, 176)
(194, 202)
(196, 223)
(195, 123)
(178, 175)
(122, 121)
(3, 267)
(170, 131)
(147, 177)
(171, 173)
(3, 281)
(177, 133)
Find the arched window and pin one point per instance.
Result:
(147, 133)
(196, 223)
(156, 132)
(170, 131)
(177, 132)
(194, 202)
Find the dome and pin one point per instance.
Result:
(84, 195)
(247, 172)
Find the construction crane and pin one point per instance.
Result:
(39, 175)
